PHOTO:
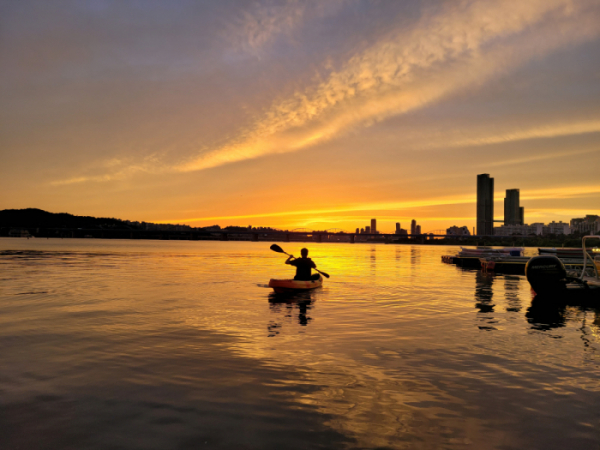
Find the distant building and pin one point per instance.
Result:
(557, 228)
(589, 224)
(517, 230)
(373, 226)
(418, 229)
(458, 231)
(485, 204)
(357, 231)
(368, 229)
(538, 229)
(513, 212)
(400, 230)
(413, 227)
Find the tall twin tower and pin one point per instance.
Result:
(514, 213)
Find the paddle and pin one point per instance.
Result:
(278, 249)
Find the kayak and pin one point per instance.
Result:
(281, 286)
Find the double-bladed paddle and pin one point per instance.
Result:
(278, 249)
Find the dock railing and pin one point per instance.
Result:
(586, 255)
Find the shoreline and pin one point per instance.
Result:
(512, 241)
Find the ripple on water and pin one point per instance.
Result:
(178, 344)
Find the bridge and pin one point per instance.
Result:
(298, 234)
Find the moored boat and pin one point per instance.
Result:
(573, 253)
(550, 279)
(470, 257)
(282, 286)
(485, 251)
(504, 264)
(516, 264)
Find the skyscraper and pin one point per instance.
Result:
(485, 204)
(373, 226)
(413, 227)
(512, 208)
(522, 215)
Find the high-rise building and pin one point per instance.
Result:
(373, 226)
(368, 229)
(485, 204)
(522, 215)
(413, 227)
(357, 231)
(400, 230)
(418, 229)
(512, 207)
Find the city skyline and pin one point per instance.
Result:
(299, 114)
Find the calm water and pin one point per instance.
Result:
(178, 345)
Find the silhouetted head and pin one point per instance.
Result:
(304, 252)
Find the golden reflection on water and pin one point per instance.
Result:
(396, 348)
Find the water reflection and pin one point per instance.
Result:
(511, 293)
(288, 305)
(157, 345)
(373, 259)
(544, 315)
(415, 255)
(483, 296)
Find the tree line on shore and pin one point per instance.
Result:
(33, 219)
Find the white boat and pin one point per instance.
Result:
(488, 251)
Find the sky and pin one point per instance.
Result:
(299, 114)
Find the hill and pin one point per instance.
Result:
(37, 218)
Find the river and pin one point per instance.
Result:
(127, 344)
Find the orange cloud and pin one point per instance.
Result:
(445, 53)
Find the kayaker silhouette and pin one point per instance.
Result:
(303, 266)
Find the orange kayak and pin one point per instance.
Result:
(281, 286)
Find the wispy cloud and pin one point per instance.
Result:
(262, 23)
(116, 169)
(380, 206)
(542, 157)
(444, 53)
(561, 192)
(537, 132)
(449, 50)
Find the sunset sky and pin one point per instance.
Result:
(317, 114)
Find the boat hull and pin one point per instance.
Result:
(282, 286)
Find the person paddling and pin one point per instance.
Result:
(304, 266)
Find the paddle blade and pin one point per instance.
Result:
(277, 248)
(326, 275)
